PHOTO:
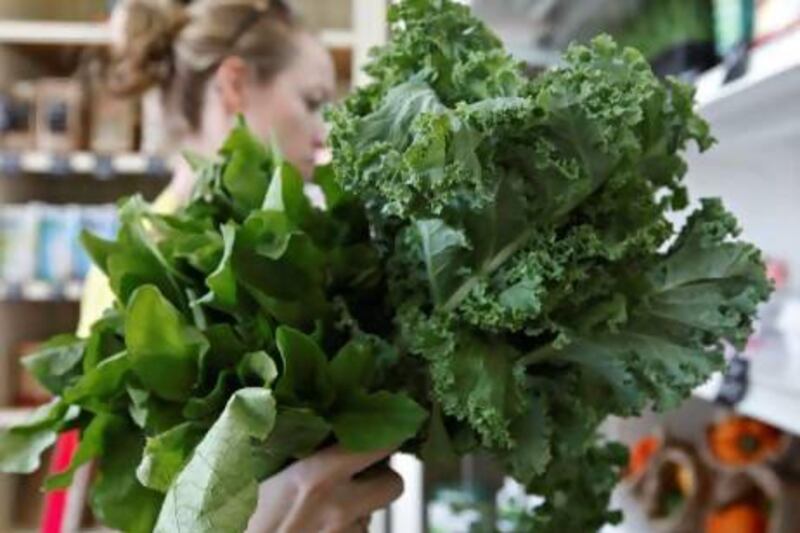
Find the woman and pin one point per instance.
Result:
(212, 61)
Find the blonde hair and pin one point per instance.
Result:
(160, 43)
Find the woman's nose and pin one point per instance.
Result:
(320, 134)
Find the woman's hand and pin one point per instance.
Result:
(322, 494)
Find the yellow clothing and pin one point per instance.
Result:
(97, 295)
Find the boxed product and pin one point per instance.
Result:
(18, 235)
(17, 117)
(60, 116)
(58, 229)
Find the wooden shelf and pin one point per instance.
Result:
(39, 33)
(54, 33)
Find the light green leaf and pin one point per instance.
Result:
(166, 454)
(222, 282)
(257, 369)
(102, 382)
(57, 363)
(21, 446)
(217, 490)
(164, 351)
(246, 173)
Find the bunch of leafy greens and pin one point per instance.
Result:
(531, 262)
(234, 346)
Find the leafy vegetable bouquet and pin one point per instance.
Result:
(531, 263)
(493, 271)
(233, 347)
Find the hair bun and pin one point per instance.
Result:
(142, 37)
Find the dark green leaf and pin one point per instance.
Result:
(297, 433)
(92, 445)
(353, 367)
(305, 379)
(117, 498)
(391, 418)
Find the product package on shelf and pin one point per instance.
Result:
(17, 117)
(41, 241)
(18, 227)
(60, 115)
(58, 229)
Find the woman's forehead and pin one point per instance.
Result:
(313, 65)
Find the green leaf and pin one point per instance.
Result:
(297, 433)
(391, 419)
(353, 367)
(138, 260)
(246, 173)
(325, 177)
(222, 281)
(92, 445)
(217, 489)
(100, 383)
(480, 382)
(213, 403)
(166, 454)
(117, 498)
(305, 379)
(438, 448)
(531, 433)
(105, 339)
(151, 413)
(56, 364)
(257, 369)
(163, 350)
(98, 249)
(286, 195)
(443, 252)
(21, 446)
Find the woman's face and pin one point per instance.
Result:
(288, 108)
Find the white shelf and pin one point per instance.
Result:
(761, 107)
(41, 291)
(773, 395)
(11, 416)
(54, 33)
(37, 162)
(766, 63)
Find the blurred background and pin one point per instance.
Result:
(728, 461)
